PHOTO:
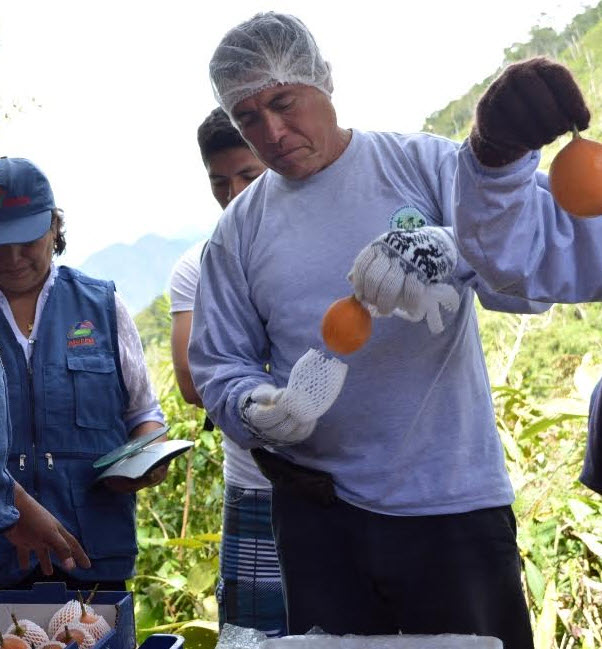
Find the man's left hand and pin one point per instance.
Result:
(529, 105)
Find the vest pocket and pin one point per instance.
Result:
(106, 521)
(94, 382)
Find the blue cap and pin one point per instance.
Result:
(26, 201)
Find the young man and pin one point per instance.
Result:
(250, 591)
(392, 509)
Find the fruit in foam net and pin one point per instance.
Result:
(76, 610)
(28, 631)
(576, 177)
(52, 644)
(69, 612)
(95, 624)
(10, 641)
(346, 325)
(75, 632)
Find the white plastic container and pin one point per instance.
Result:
(444, 641)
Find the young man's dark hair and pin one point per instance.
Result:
(217, 133)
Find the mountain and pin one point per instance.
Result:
(578, 46)
(141, 270)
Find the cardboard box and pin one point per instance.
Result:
(41, 602)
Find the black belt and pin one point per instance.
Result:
(312, 484)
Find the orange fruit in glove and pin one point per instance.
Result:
(346, 326)
(576, 177)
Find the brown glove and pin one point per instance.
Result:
(529, 105)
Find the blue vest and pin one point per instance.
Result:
(67, 410)
(8, 513)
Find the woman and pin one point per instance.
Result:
(77, 385)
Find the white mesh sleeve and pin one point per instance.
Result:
(289, 415)
(313, 386)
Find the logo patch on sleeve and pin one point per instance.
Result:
(406, 218)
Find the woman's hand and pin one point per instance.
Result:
(37, 530)
(128, 485)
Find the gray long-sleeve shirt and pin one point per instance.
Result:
(413, 430)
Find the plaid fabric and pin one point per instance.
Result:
(249, 592)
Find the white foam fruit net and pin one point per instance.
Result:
(88, 640)
(97, 629)
(70, 612)
(313, 386)
(52, 644)
(34, 634)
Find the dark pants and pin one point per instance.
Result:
(59, 575)
(348, 570)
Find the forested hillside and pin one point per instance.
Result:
(542, 370)
(579, 47)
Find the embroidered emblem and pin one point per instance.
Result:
(81, 334)
(17, 201)
(406, 218)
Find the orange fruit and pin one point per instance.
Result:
(576, 177)
(10, 641)
(73, 633)
(346, 325)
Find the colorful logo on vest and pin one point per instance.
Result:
(406, 218)
(80, 334)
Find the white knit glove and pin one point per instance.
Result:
(402, 272)
(289, 415)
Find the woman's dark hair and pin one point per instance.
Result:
(60, 242)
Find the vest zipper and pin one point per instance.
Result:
(22, 459)
(36, 482)
(49, 460)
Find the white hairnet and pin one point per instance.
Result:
(263, 52)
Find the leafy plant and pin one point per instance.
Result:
(178, 521)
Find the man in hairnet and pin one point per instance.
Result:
(391, 502)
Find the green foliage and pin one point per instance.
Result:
(579, 46)
(154, 322)
(542, 364)
(178, 521)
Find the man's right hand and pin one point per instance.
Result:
(39, 531)
(282, 416)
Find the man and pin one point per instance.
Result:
(392, 509)
(249, 593)
(231, 167)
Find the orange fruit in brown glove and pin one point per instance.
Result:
(576, 177)
(346, 326)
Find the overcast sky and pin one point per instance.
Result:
(111, 92)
